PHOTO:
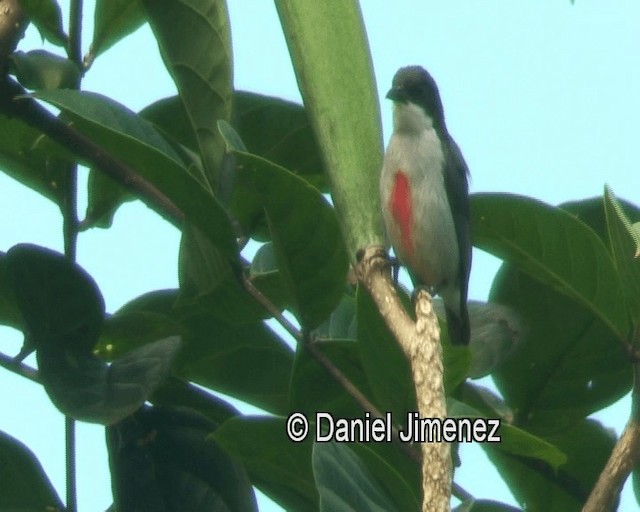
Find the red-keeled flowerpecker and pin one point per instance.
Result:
(425, 196)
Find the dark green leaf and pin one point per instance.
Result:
(624, 249)
(554, 248)
(279, 131)
(195, 44)
(87, 389)
(161, 460)
(60, 303)
(279, 467)
(344, 483)
(39, 69)
(569, 365)
(247, 361)
(387, 368)
(24, 158)
(123, 332)
(47, 17)
(342, 323)
(105, 197)
(314, 389)
(306, 236)
(114, 19)
(9, 311)
(24, 484)
(567, 488)
(129, 137)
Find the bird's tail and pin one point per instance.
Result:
(458, 324)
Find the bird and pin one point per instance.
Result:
(424, 193)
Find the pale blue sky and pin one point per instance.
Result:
(541, 96)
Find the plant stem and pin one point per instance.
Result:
(70, 450)
(70, 234)
(74, 51)
(19, 368)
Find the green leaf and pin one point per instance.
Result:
(395, 472)
(40, 69)
(279, 131)
(247, 361)
(105, 197)
(569, 365)
(314, 389)
(60, 303)
(280, 468)
(342, 323)
(132, 139)
(114, 20)
(330, 54)
(387, 368)
(126, 331)
(306, 236)
(23, 156)
(624, 249)
(63, 312)
(47, 17)
(541, 487)
(195, 44)
(24, 483)
(554, 248)
(344, 483)
(161, 460)
(9, 310)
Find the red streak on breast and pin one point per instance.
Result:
(401, 210)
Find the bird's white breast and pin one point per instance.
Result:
(415, 149)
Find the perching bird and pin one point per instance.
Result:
(425, 196)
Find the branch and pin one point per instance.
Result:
(14, 102)
(13, 23)
(19, 368)
(624, 457)
(420, 342)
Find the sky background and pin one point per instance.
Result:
(541, 96)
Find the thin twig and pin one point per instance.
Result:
(19, 368)
(74, 51)
(70, 451)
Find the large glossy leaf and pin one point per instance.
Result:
(63, 313)
(113, 20)
(569, 365)
(60, 303)
(279, 467)
(161, 460)
(540, 487)
(195, 43)
(134, 140)
(47, 17)
(24, 484)
(247, 361)
(22, 156)
(40, 69)
(279, 131)
(474, 505)
(306, 237)
(9, 310)
(624, 249)
(345, 483)
(330, 54)
(554, 248)
(314, 389)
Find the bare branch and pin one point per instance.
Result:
(420, 342)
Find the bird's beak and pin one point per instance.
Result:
(397, 94)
